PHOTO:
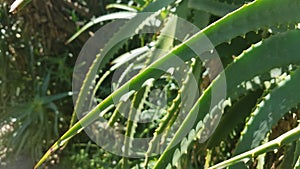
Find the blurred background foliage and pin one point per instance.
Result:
(36, 78)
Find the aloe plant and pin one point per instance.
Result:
(263, 73)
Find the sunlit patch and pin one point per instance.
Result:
(249, 85)
(287, 78)
(18, 35)
(171, 70)
(270, 31)
(276, 72)
(267, 84)
(3, 31)
(256, 80)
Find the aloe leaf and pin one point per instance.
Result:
(165, 41)
(153, 7)
(238, 112)
(200, 18)
(157, 5)
(284, 139)
(241, 14)
(118, 62)
(107, 17)
(123, 7)
(116, 114)
(214, 7)
(256, 60)
(183, 11)
(248, 18)
(105, 56)
(181, 104)
(121, 60)
(108, 50)
(134, 112)
(269, 111)
(251, 17)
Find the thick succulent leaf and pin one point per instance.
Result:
(284, 139)
(165, 41)
(134, 112)
(111, 16)
(157, 5)
(253, 16)
(200, 18)
(269, 111)
(181, 104)
(214, 7)
(238, 112)
(122, 6)
(260, 58)
(250, 17)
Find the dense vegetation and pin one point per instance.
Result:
(231, 100)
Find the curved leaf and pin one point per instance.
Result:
(258, 59)
(107, 17)
(286, 138)
(213, 6)
(269, 111)
(250, 17)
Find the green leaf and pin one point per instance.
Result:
(269, 111)
(284, 139)
(107, 17)
(214, 7)
(260, 58)
(238, 112)
(157, 5)
(122, 6)
(250, 17)
(134, 112)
